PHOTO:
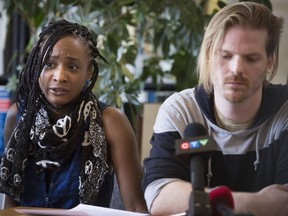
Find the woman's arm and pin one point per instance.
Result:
(9, 126)
(122, 145)
(9, 202)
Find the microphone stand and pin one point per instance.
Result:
(199, 203)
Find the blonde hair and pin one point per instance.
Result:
(246, 14)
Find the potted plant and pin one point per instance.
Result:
(141, 40)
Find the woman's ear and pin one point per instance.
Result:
(90, 71)
(86, 85)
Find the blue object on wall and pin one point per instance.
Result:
(4, 106)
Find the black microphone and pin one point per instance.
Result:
(195, 142)
(219, 202)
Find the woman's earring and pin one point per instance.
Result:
(85, 86)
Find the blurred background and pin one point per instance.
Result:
(151, 47)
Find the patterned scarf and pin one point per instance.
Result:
(52, 145)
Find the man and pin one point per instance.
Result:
(246, 115)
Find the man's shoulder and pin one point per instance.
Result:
(276, 88)
(182, 96)
(274, 100)
(277, 93)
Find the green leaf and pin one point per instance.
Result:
(126, 72)
(96, 28)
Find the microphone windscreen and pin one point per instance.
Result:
(221, 195)
(194, 130)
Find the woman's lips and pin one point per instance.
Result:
(58, 90)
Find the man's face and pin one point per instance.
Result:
(240, 64)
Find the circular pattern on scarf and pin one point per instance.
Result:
(4, 173)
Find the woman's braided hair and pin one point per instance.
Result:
(29, 94)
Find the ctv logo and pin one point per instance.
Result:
(193, 144)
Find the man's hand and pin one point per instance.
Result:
(271, 200)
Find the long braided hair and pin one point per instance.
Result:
(33, 107)
(29, 93)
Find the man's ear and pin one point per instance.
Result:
(270, 61)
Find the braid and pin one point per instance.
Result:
(29, 94)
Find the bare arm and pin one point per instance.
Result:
(125, 158)
(10, 124)
(272, 200)
(172, 199)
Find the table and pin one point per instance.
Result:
(9, 212)
(80, 210)
(40, 211)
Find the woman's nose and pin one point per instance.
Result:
(60, 74)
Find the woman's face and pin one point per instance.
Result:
(63, 77)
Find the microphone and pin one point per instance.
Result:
(195, 142)
(221, 201)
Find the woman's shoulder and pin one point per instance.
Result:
(12, 112)
(115, 121)
(103, 105)
(110, 112)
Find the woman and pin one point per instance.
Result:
(63, 145)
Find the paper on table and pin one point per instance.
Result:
(180, 214)
(80, 210)
(91, 210)
(49, 212)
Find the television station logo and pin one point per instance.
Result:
(194, 144)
